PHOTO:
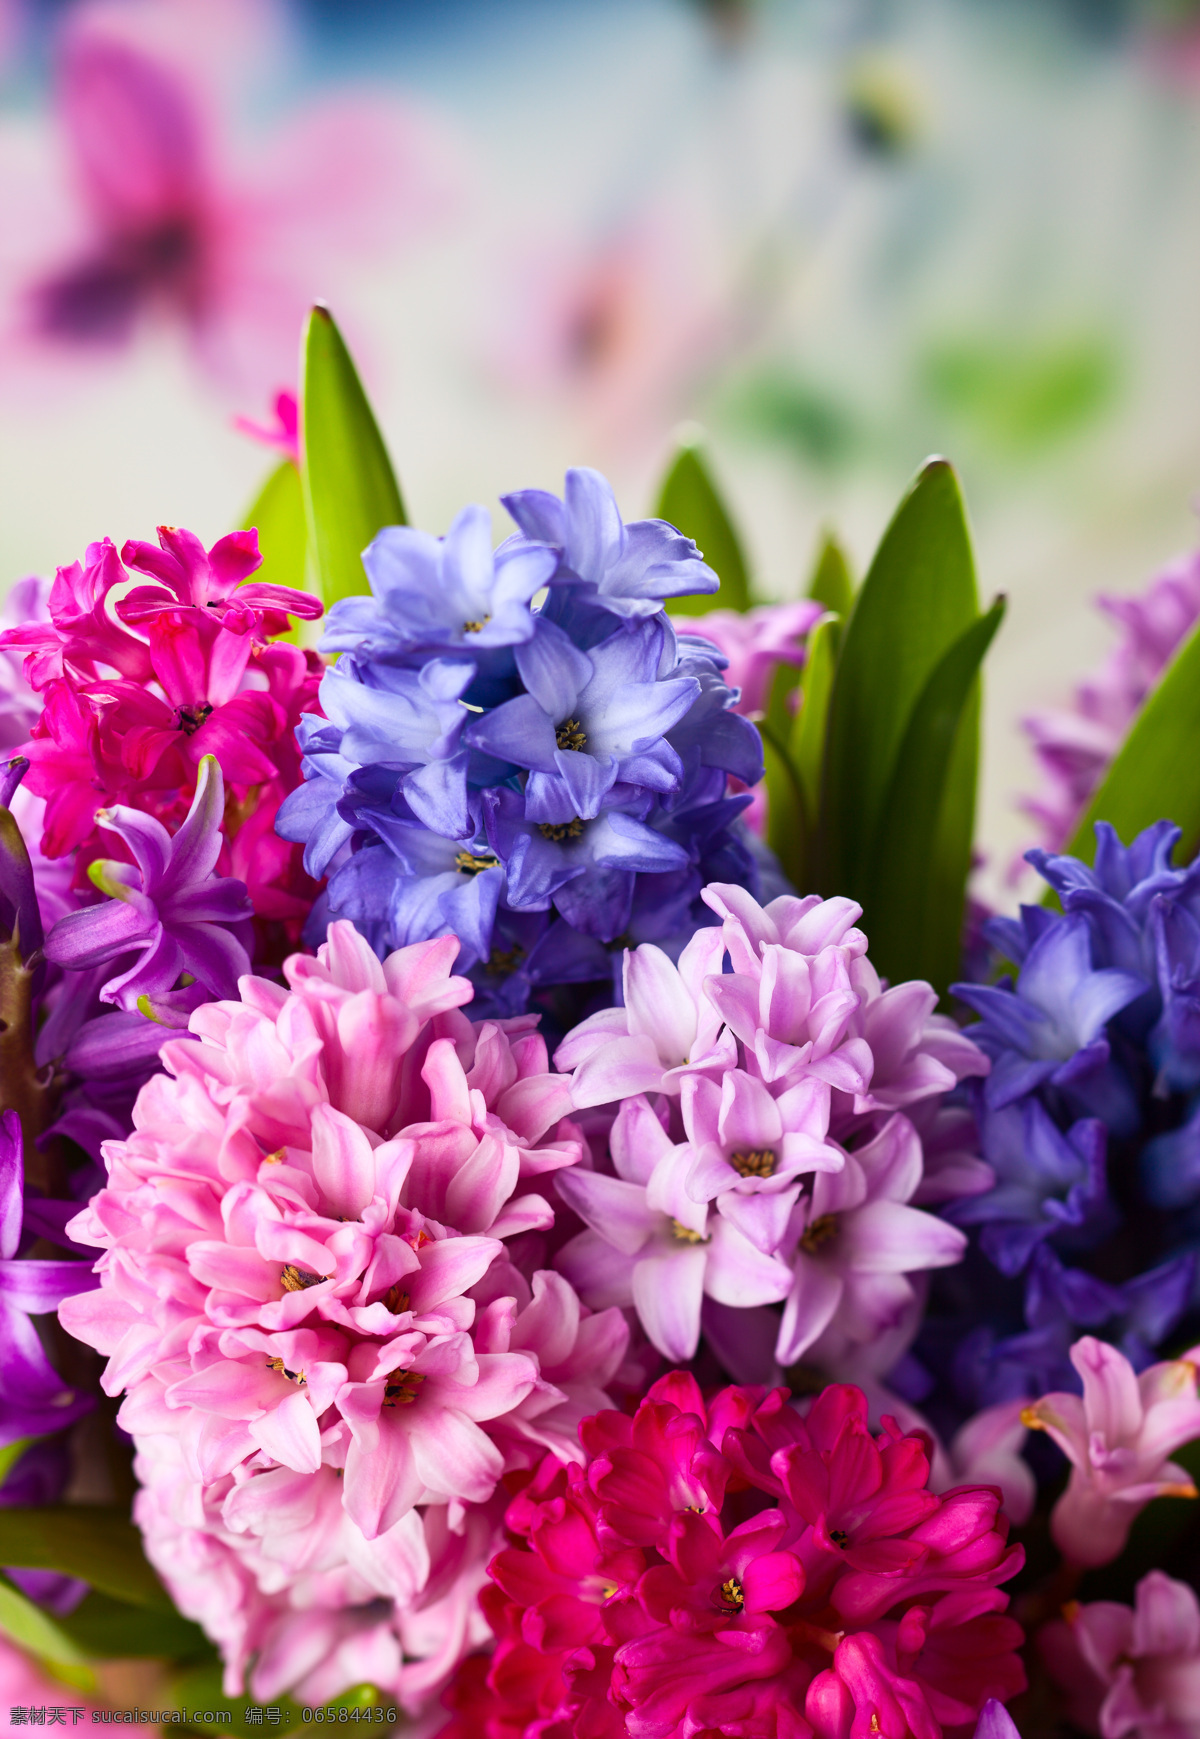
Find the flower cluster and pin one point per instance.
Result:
(518, 750)
(773, 1127)
(138, 683)
(322, 1299)
(1074, 747)
(732, 1568)
(1130, 1671)
(1089, 1121)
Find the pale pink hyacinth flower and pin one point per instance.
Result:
(1075, 746)
(857, 1240)
(1117, 1437)
(1131, 1670)
(329, 1361)
(161, 222)
(650, 1245)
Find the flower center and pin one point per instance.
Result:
(292, 1376)
(191, 718)
(396, 1300)
(403, 1390)
(731, 1594)
(557, 831)
(502, 961)
(685, 1235)
(839, 1538)
(753, 1161)
(468, 863)
(823, 1228)
(476, 627)
(570, 735)
(295, 1279)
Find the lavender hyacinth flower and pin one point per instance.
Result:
(625, 570)
(34, 1400)
(167, 908)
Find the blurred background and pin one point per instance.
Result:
(841, 234)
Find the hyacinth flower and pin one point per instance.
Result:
(137, 694)
(34, 1400)
(337, 1322)
(523, 727)
(755, 642)
(1074, 748)
(1130, 1670)
(169, 224)
(635, 1596)
(1117, 1437)
(649, 1243)
(168, 908)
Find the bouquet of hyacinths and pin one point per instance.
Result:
(531, 1205)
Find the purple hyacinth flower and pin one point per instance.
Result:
(590, 719)
(451, 593)
(34, 1400)
(168, 907)
(627, 570)
(1049, 1026)
(995, 1722)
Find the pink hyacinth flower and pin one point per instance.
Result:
(668, 1024)
(650, 1245)
(1117, 1437)
(1131, 1671)
(754, 642)
(858, 1242)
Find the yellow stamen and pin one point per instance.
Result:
(685, 1235)
(557, 831)
(292, 1376)
(396, 1300)
(295, 1279)
(403, 1390)
(731, 1593)
(570, 735)
(820, 1232)
(469, 863)
(753, 1161)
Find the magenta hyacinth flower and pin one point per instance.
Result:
(1131, 1671)
(330, 1357)
(167, 907)
(1117, 1437)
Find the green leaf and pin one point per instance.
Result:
(278, 517)
(917, 598)
(101, 1546)
(350, 490)
(832, 583)
(807, 744)
(198, 1689)
(787, 831)
(12, 1453)
(690, 501)
(113, 1630)
(1157, 772)
(914, 915)
(38, 1634)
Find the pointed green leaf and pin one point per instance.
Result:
(38, 1634)
(807, 743)
(917, 598)
(1156, 774)
(109, 1629)
(831, 583)
(350, 490)
(101, 1546)
(278, 517)
(912, 914)
(690, 501)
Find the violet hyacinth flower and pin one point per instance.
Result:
(167, 907)
(1117, 1437)
(627, 570)
(34, 1400)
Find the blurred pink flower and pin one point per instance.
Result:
(1117, 1437)
(1074, 747)
(162, 221)
(1131, 1671)
(755, 642)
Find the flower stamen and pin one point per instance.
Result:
(558, 831)
(295, 1279)
(469, 863)
(823, 1228)
(753, 1161)
(570, 735)
(403, 1390)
